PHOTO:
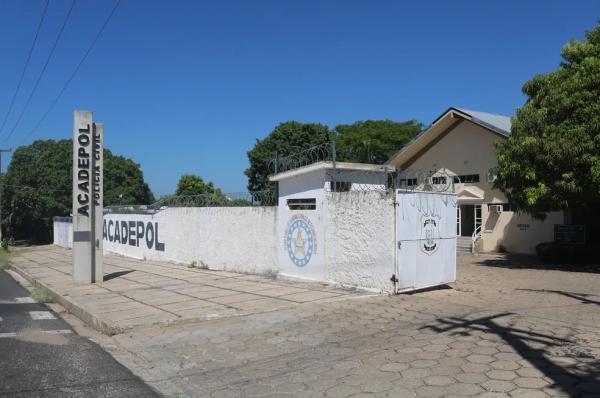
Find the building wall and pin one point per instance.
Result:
(313, 266)
(470, 149)
(359, 239)
(518, 233)
(231, 238)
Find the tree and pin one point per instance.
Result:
(551, 159)
(285, 139)
(38, 186)
(190, 184)
(373, 141)
(124, 182)
(370, 141)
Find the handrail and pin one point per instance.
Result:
(475, 237)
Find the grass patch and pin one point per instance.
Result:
(4, 265)
(42, 295)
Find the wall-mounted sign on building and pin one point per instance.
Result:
(88, 143)
(430, 234)
(569, 234)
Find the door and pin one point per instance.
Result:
(426, 239)
(467, 220)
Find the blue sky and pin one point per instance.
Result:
(188, 86)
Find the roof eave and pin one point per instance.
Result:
(450, 111)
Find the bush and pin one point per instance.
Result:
(42, 295)
(4, 265)
(552, 252)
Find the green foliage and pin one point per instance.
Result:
(124, 182)
(285, 139)
(38, 186)
(190, 184)
(6, 244)
(42, 295)
(373, 141)
(552, 158)
(370, 141)
(4, 264)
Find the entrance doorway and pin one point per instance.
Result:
(468, 219)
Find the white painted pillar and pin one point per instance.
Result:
(87, 199)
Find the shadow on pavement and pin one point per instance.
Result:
(582, 297)
(114, 275)
(581, 377)
(523, 261)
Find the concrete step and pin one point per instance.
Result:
(463, 244)
(463, 251)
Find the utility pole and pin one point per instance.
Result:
(1, 186)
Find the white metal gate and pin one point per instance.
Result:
(426, 239)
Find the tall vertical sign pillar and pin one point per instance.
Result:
(88, 143)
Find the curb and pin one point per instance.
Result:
(73, 307)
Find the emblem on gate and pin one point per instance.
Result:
(300, 240)
(430, 234)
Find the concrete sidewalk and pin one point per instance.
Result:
(138, 293)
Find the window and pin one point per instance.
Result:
(342, 186)
(408, 182)
(302, 204)
(466, 179)
(438, 180)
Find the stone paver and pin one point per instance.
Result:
(145, 293)
(500, 332)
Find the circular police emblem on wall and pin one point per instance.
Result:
(430, 234)
(300, 240)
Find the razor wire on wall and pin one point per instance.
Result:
(319, 153)
(236, 199)
(343, 177)
(326, 152)
(382, 178)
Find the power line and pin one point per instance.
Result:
(70, 79)
(14, 97)
(60, 32)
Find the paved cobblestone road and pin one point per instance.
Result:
(504, 330)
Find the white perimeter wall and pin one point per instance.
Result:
(359, 239)
(354, 236)
(228, 238)
(356, 248)
(63, 233)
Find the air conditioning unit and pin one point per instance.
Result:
(496, 208)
